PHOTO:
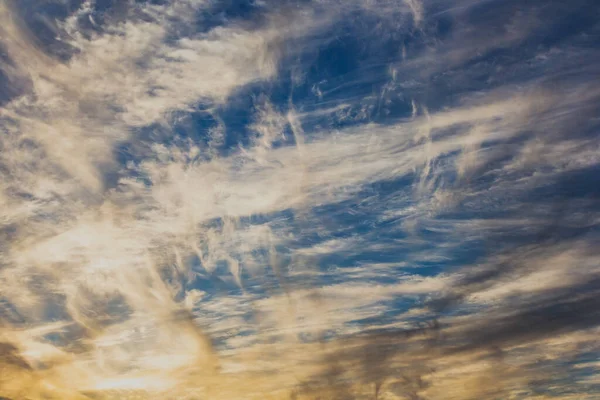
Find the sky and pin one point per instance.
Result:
(299, 199)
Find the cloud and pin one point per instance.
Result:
(110, 269)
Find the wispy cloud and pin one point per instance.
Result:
(442, 251)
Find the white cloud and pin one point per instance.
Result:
(81, 245)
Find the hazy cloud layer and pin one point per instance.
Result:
(299, 200)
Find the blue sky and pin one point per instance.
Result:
(390, 199)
